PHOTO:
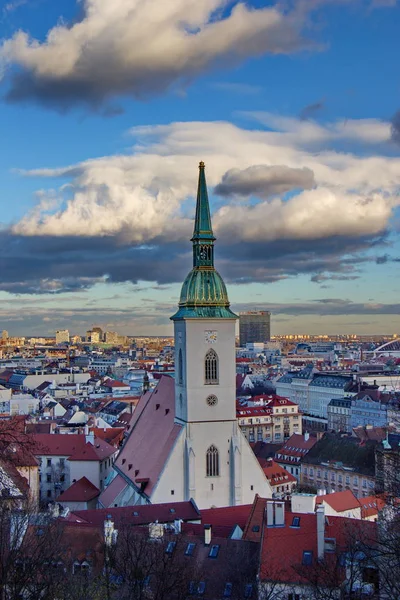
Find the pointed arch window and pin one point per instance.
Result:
(211, 368)
(180, 367)
(212, 462)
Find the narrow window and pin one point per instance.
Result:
(170, 547)
(228, 590)
(296, 522)
(190, 548)
(214, 551)
(211, 368)
(307, 557)
(180, 367)
(212, 462)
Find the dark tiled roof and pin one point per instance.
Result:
(345, 450)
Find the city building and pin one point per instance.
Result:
(339, 415)
(368, 411)
(191, 420)
(65, 459)
(293, 451)
(270, 419)
(281, 481)
(338, 462)
(254, 326)
(93, 336)
(312, 390)
(4, 335)
(300, 554)
(62, 336)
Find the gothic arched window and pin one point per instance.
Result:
(180, 367)
(212, 462)
(211, 368)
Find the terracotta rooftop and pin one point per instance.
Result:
(57, 444)
(371, 506)
(283, 547)
(82, 490)
(276, 474)
(111, 435)
(97, 451)
(228, 516)
(141, 515)
(340, 501)
(254, 527)
(113, 383)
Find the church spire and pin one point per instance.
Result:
(203, 237)
(202, 223)
(203, 293)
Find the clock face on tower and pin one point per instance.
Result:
(210, 336)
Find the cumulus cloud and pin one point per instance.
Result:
(314, 214)
(302, 131)
(129, 218)
(264, 181)
(142, 47)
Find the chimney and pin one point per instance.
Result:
(90, 437)
(275, 514)
(207, 535)
(306, 436)
(279, 514)
(320, 531)
(177, 525)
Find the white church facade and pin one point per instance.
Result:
(185, 442)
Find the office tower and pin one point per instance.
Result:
(254, 326)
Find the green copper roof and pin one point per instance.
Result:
(203, 293)
(202, 222)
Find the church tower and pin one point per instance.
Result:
(185, 441)
(205, 377)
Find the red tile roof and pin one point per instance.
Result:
(283, 547)
(274, 400)
(100, 450)
(82, 490)
(276, 474)
(197, 529)
(72, 445)
(254, 526)
(371, 505)
(141, 515)
(340, 501)
(112, 491)
(113, 383)
(54, 444)
(111, 435)
(228, 516)
(295, 448)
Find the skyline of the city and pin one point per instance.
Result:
(299, 130)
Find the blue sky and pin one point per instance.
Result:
(106, 110)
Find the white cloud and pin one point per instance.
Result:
(142, 47)
(142, 197)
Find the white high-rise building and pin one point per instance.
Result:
(185, 441)
(62, 336)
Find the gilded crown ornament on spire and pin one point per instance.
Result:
(203, 292)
